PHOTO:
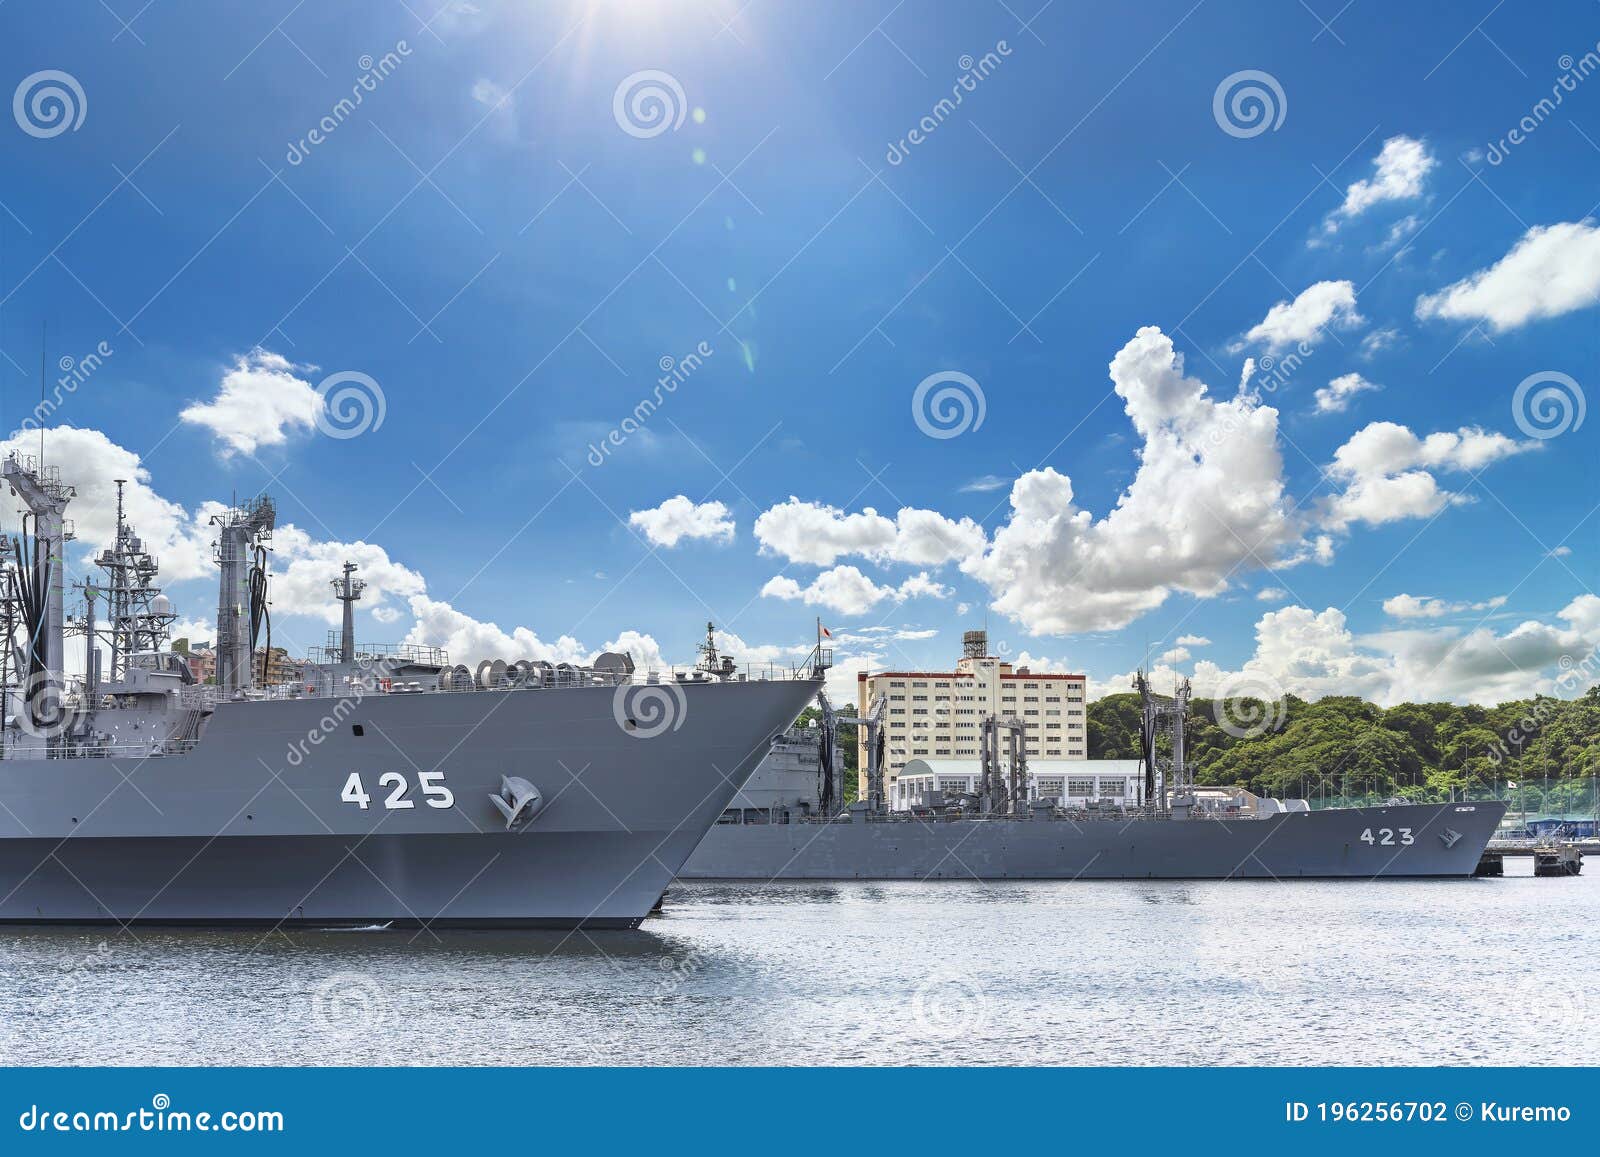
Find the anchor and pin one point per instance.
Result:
(518, 800)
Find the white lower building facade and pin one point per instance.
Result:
(1073, 783)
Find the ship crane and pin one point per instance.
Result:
(242, 595)
(1169, 774)
(828, 794)
(39, 587)
(877, 756)
(995, 794)
(870, 735)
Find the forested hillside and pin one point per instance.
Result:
(1343, 746)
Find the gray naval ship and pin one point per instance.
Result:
(374, 785)
(1000, 822)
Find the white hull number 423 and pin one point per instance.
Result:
(1388, 837)
(395, 790)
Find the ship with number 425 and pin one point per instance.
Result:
(379, 784)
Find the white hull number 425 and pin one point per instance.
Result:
(1388, 837)
(395, 790)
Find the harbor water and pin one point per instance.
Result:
(1106, 973)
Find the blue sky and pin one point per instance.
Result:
(485, 239)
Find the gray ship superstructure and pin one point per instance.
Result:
(1002, 821)
(379, 784)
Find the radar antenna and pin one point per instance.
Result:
(719, 666)
(138, 615)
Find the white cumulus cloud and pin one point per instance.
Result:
(1323, 306)
(845, 590)
(469, 640)
(303, 568)
(1552, 270)
(1388, 472)
(1426, 607)
(678, 518)
(1399, 171)
(1208, 498)
(1335, 397)
(813, 533)
(260, 401)
(1312, 654)
(90, 462)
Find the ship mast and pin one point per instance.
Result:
(712, 663)
(348, 590)
(138, 614)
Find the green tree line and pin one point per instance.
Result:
(1342, 746)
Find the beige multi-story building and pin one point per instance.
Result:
(276, 667)
(939, 714)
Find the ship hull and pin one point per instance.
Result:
(259, 825)
(566, 880)
(1445, 840)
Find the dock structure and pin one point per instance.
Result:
(1529, 847)
(1549, 859)
(1561, 860)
